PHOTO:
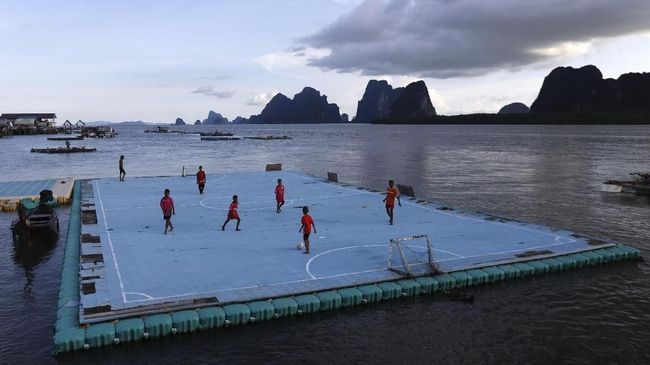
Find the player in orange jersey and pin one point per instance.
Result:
(232, 214)
(391, 194)
(279, 196)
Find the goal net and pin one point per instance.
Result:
(190, 170)
(412, 256)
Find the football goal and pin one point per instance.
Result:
(190, 170)
(412, 256)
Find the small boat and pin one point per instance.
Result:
(37, 217)
(99, 132)
(157, 129)
(640, 185)
(72, 138)
(219, 138)
(269, 138)
(63, 149)
(217, 134)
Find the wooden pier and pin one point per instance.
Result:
(12, 192)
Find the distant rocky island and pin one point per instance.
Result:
(240, 120)
(380, 100)
(514, 108)
(308, 106)
(214, 118)
(567, 96)
(583, 90)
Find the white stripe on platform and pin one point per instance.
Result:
(110, 242)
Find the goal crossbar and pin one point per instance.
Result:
(411, 262)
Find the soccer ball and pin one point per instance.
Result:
(300, 245)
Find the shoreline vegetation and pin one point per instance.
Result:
(627, 117)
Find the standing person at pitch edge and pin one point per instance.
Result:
(200, 179)
(167, 206)
(232, 214)
(122, 171)
(279, 196)
(391, 194)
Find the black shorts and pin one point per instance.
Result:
(166, 217)
(305, 236)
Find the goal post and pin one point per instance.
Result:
(189, 170)
(412, 256)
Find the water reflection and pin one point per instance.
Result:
(31, 249)
(628, 200)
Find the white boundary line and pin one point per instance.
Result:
(149, 207)
(352, 191)
(267, 204)
(510, 251)
(308, 264)
(454, 215)
(149, 297)
(110, 242)
(314, 278)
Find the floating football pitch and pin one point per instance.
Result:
(197, 261)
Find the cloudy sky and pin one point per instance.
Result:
(158, 60)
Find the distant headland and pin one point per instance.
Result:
(567, 96)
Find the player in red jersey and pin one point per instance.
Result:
(232, 214)
(167, 206)
(279, 196)
(307, 222)
(200, 179)
(391, 194)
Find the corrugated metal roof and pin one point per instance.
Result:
(14, 116)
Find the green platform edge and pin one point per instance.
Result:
(69, 336)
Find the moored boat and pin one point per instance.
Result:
(157, 129)
(217, 134)
(219, 138)
(37, 216)
(268, 138)
(72, 138)
(63, 149)
(640, 185)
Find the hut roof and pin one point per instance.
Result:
(14, 116)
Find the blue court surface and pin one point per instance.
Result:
(25, 188)
(197, 260)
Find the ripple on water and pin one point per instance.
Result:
(543, 174)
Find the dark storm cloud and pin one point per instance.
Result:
(210, 91)
(448, 38)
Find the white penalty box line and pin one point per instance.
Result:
(312, 277)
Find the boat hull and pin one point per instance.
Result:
(626, 187)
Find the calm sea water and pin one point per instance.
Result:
(543, 174)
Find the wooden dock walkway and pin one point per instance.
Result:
(12, 191)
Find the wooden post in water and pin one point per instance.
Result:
(406, 190)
